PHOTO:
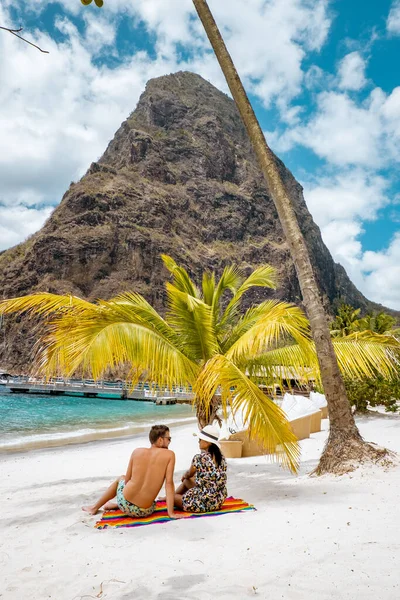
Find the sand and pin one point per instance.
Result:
(310, 538)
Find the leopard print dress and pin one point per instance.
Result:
(209, 492)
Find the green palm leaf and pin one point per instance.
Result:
(268, 326)
(208, 287)
(101, 339)
(43, 304)
(200, 344)
(359, 355)
(365, 354)
(263, 276)
(267, 423)
(193, 322)
(181, 277)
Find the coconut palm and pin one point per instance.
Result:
(344, 444)
(205, 341)
(347, 321)
(379, 322)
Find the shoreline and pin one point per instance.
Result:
(29, 423)
(66, 439)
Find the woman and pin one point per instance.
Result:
(203, 487)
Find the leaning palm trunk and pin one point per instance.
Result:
(345, 443)
(206, 415)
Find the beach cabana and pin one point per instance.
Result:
(321, 402)
(302, 410)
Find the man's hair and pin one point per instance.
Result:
(157, 431)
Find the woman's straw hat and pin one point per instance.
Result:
(209, 433)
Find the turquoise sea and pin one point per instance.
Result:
(30, 421)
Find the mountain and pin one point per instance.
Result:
(179, 178)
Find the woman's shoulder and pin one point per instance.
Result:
(202, 457)
(198, 458)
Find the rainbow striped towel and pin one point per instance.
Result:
(115, 518)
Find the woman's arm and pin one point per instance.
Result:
(189, 473)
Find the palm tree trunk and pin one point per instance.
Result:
(345, 442)
(209, 415)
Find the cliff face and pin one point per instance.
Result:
(179, 177)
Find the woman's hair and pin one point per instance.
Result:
(215, 453)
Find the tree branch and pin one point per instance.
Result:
(16, 31)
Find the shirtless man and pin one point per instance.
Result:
(148, 468)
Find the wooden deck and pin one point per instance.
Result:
(108, 390)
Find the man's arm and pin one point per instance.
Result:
(169, 486)
(128, 475)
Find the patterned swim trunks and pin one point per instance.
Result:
(131, 509)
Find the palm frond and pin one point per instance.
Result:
(268, 326)
(282, 364)
(100, 339)
(42, 304)
(181, 277)
(359, 355)
(365, 354)
(264, 276)
(208, 287)
(266, 421)
(192, 321)
(231, 279)
(131, 307)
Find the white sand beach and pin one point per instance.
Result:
(319, 538)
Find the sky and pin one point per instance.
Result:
(322, 75)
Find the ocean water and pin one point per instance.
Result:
(29, 421)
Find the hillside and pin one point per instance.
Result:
(179, 177)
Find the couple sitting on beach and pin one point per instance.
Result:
(203, 486)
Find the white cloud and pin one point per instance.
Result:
(381, 273)
(18, 222)
(347, 195)
(100, 34)
(60, 110)
(269, 40)
(393, 20)
(346, 132)
(339, 131)
(340, 204)
(58, 113)
(315, 78)
(352, 72)
(341, 238)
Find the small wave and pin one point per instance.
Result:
(62, 438)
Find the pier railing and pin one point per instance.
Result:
(97, 388)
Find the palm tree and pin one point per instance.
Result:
(346, 321)
(344, 443)
(205, 341)
(380, 322)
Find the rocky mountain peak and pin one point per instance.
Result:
(179, 177)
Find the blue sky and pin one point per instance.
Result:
(322, 76)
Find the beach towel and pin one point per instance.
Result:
(116, 518)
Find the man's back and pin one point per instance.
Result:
(147, 470)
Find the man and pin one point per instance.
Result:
(148, 468)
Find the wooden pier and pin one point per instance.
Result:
(110, 390)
